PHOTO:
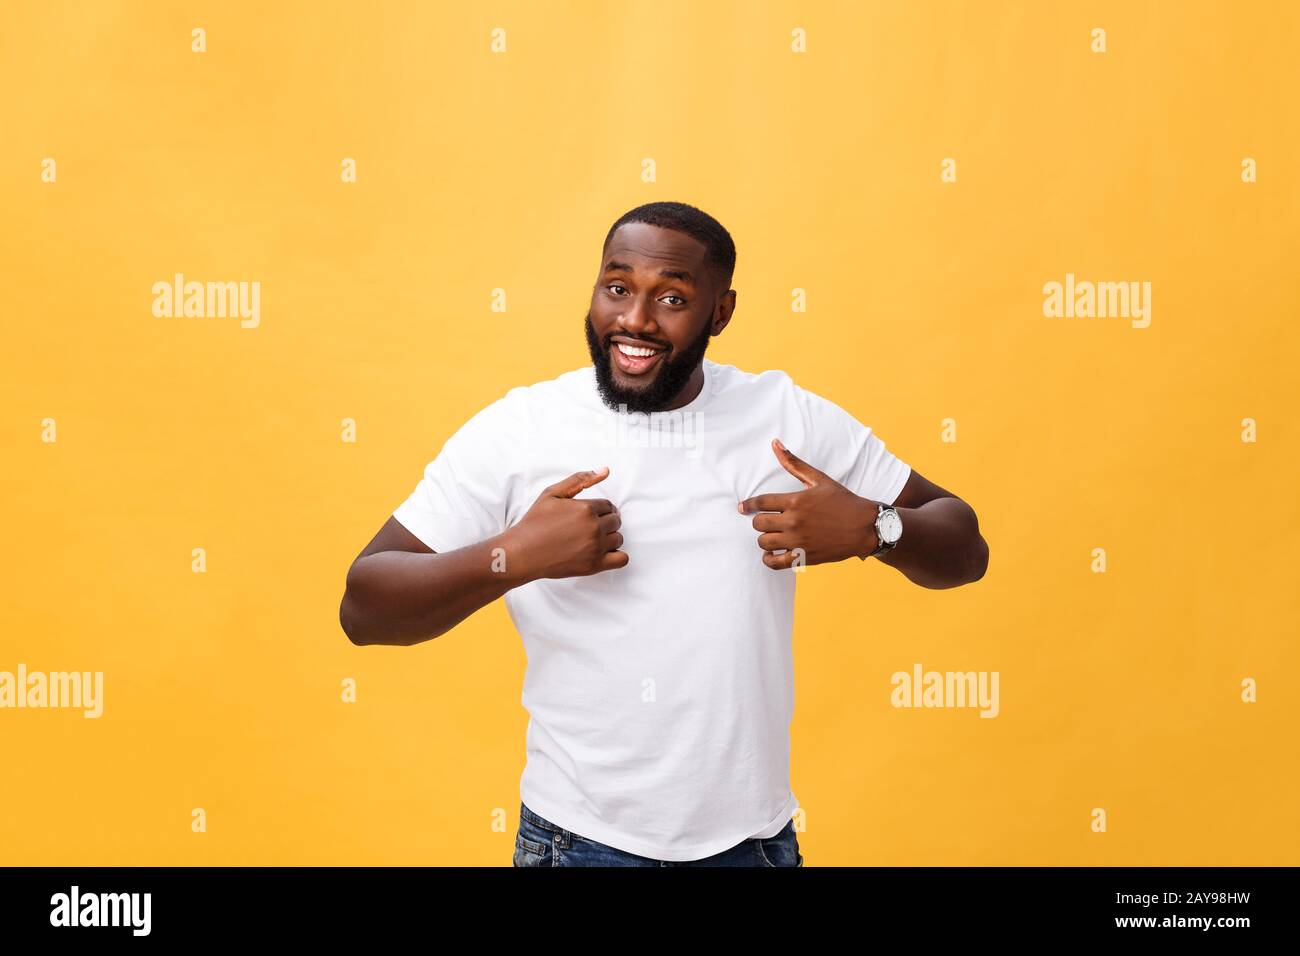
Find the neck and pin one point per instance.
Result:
(690, 391)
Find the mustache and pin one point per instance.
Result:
(609, 340)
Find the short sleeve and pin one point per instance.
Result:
(461, 498)
(849, 451)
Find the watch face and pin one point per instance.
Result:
(890, 527)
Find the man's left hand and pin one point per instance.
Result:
(825, 522)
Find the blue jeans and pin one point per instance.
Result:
(540, 842)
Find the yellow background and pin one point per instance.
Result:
(479, 170)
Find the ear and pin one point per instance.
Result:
(722, 314)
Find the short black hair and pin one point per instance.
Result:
(720, 251)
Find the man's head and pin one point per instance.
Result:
(664, 286)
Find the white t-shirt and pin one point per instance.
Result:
(660, 694)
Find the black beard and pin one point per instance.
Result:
(669, 379)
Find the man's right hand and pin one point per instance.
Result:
(566, 537)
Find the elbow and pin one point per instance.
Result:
(979, 560)
(349, 624)
(977, 555)
(348, 611)
(365, 620)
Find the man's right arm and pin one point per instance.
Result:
(400, 591)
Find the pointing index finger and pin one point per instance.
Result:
(769, 502)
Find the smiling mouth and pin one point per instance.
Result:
(635, 359)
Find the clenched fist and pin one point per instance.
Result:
(566, 537)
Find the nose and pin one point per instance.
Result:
(637, 321)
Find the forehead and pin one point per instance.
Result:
(648, 247)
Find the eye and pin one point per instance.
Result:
(678, 297)
(613, 285)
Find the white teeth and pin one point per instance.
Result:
(634, 351)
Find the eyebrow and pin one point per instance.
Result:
(665, 273)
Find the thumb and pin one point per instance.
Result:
(576, 482)
(797, 466)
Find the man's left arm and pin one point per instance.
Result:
(941, 545)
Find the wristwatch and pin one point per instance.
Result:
(889, 528)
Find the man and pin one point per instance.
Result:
(644, 518)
